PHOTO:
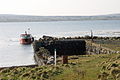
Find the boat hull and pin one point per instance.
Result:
(26, 41)
(26, 38)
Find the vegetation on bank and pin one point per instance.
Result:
(110, 69)
(83, 67)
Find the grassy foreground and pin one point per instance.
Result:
(84, 67)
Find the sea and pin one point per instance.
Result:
(12, 53)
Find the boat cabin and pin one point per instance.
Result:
(26, 38)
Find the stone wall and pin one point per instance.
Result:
(93, 48)
(63, 47)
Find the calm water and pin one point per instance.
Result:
(14, 54)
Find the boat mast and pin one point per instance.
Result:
(28, 30)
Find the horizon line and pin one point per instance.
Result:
(62, 15)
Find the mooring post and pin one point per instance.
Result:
(91, 35)
(65, 59)
(55, 56)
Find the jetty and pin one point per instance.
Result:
(67, 47)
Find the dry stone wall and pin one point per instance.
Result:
(93, 48)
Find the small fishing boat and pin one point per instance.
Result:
(26, 38)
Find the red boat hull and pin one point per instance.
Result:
(26, 38)
(26, 41)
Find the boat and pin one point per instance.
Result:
(26, 38)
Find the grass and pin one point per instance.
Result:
(84, 67)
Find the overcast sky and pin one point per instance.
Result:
(59, 7)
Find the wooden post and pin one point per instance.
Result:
(91, 36)
(64, 59)
(55, 56)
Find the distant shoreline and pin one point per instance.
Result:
(48, 21)
(25, 18)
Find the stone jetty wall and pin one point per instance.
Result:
(63, 47)
(39, 61)
(93, 48)
(78, 46)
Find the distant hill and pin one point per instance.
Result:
(26, 18)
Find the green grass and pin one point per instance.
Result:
(84, 67)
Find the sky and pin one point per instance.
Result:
(59, 7)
